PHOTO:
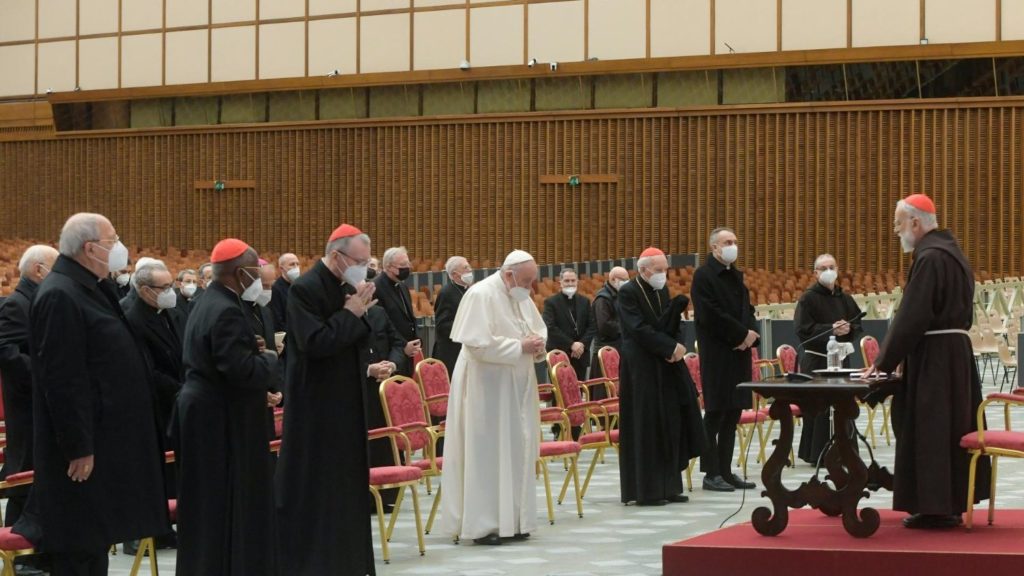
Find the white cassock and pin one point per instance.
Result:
(492, 432)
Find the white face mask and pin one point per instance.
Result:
(188, 289)
(293, 274)
(166, 299)
(354, 274)
(828, 277)
(117, 257)
(122, 279)
(264, 298)
(467, 278)
(730, 253)
(569, 291)
(657, 280)
(618, 284)
(518, 293)
(252, 291)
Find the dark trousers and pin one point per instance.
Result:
(720, 426)
(79, 563)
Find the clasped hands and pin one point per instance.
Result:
(748, 341)
(362, 300)
(533, 345)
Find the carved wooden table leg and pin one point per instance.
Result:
(764, 521)
(866, 522)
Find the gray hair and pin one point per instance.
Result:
(79, 229)
(453, 263)
(822, 257)
(927, 219)
(341, 244)
(643, 262)
(204, 267)
(566, 270)
(183, 273)
(143, 263)
(280, 259)
(37, 254)
(713, 237)
(144, 274)
(391, 254)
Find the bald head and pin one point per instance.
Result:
(617, 275)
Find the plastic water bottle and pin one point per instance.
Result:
(834, 355)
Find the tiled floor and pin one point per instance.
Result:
(610, 538)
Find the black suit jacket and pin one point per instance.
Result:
(445, 307)
(162, 340)
(16, 371)
(568, 320)
(279, 304)
(394, 298)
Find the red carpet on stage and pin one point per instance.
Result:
(816, 544)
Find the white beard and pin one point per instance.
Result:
(907, 243)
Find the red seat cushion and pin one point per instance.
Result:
(751, 416)
(425, 463)
(561, 448)
(598, 437)
(1005, 439)
(11, 541)
(394, 474)
(172, 510)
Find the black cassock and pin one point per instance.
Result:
(394, 298)
(226, 520)
(261, 320)
(162, 332)
(91, 395)
(322, 474)
(445, 307)
(16, 371)
(606, 330)
(941, 391)
(568, 320)
(816, 311)
(660, 423)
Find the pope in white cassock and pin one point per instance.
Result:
(493, 427)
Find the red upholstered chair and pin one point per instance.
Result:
(609, 359)
(786, 356)
(13, 545)
(417, 358)
(993, 443)
(583, 413)
(405, 410)
(869, 351)
(384, 477)
(432, 376)
(693, 366)
(564, 449)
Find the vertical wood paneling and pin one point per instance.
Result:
(792, 183)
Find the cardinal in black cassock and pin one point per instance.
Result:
(226, 520)
(660, 423)
(322, 473)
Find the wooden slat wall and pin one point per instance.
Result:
(793, 182)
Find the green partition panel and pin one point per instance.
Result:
(152, 113)
(503, 96)
(624, 91)
(572, 93)
(196, 111)
(292, 106)
(390, 101)
(690, 88)
(753, 85)
(243, 108)
(456, 98)
(343, 103)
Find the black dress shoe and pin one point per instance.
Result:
(738, 483)
(489, 540)
(679, 498)
(521, 536)
(716, 484)
(932, 521)
(651, 502)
